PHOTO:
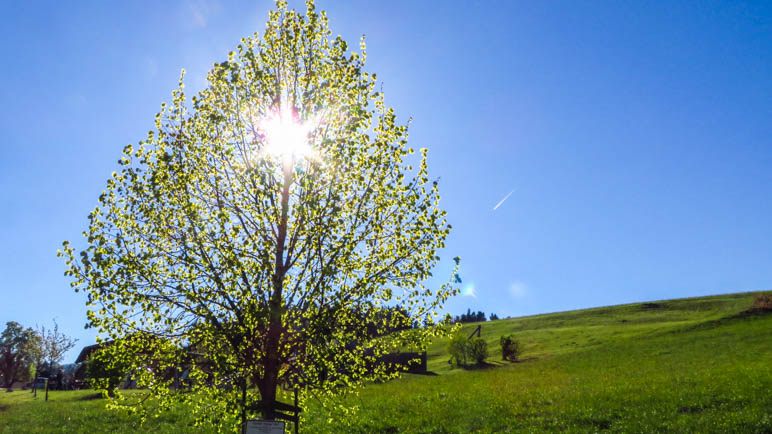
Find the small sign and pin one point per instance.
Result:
(265, 427)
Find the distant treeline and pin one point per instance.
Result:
(470, 316)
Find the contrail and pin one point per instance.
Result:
(502, 200)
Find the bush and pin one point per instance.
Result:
(510, 348)
(478, 350)
(762, 304)
(458, 348)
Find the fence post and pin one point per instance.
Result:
(297, 414)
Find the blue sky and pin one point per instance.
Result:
(636, 139)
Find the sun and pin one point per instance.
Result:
(287, 137)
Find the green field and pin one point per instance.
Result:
(689, 365)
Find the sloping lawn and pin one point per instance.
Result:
(690, 365)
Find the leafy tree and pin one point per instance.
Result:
(478, 350)
(493, 317)
(256, 224)
(18, 347)
(470, 316)
(37, 357)
(104, 373)
(510, 348)
(458, 347)
(54, 345)
(462, 348)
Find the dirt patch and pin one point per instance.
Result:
(691, 409)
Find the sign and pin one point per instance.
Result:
(265, 427)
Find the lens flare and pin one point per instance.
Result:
(469, 290)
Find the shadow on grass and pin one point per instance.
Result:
(755, 311)
(498, 364)
(598, 424)
(742, 316)
(481, 366)
(90, 397)
(427, 373)
(485, 365)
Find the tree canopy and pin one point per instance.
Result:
(263, 233)
(55, 345)
(470, 316)
(19, 347)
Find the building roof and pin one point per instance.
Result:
(86, 352)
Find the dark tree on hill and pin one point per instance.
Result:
(257, 224)
(470, 316)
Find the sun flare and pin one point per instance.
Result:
(286, 136)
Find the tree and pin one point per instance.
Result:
(104, 373)
(54, 345)
(470, 316)
(478, 350)
(18, 347)
(47, 356)
(256, 224)
(511, 348)
(458, 347)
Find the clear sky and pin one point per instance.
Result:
(635, 138)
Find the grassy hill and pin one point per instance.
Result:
(698, 364)
(688, 365)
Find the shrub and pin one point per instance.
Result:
(478, 350)
(458, 348)
(762, 303)
(510, 348)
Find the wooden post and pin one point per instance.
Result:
(297, 421)
(476, 332)
(46, 389)
(244, 406)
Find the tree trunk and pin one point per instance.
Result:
(9, 368)
(269, 381)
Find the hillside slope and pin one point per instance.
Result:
(689, 365)
(698, 364)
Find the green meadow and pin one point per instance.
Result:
(689, 365)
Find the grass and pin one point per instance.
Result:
(690, 365)
(81, 411)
